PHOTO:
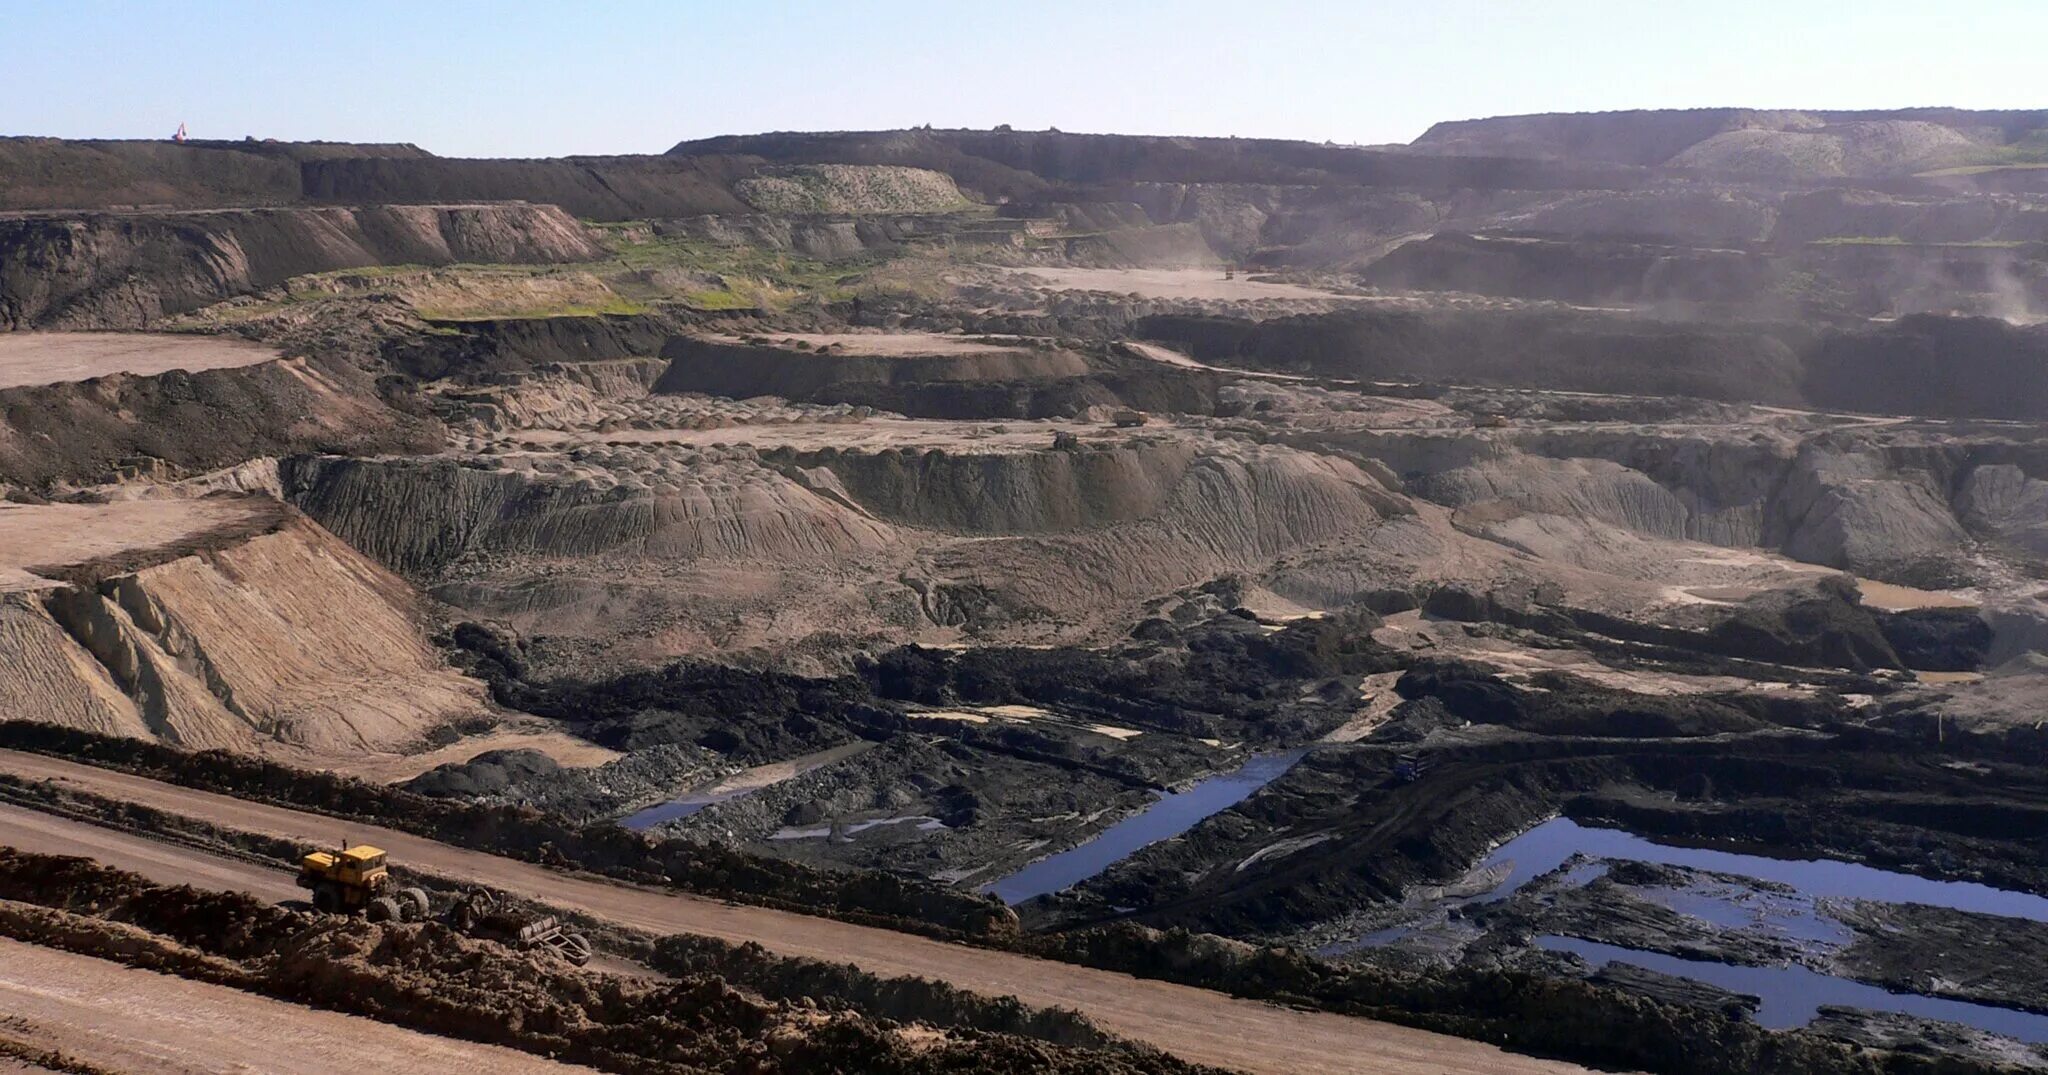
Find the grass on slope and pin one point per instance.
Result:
(720, 276)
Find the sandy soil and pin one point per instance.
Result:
(55, 357)
(395, 768)
(1380, 700)
(61, 535)
(125, 1019)
(1195, 1024)
(1172, 284)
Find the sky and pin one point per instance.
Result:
(530, 79)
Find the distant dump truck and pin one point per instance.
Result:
(1490, 421)
(1128, 419)
(356, 880)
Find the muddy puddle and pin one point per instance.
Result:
(1792, 996)
(1895, 598)
(1167, 817)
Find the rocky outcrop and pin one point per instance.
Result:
(106, 270)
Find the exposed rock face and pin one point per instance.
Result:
(289, 636)
(128, 270)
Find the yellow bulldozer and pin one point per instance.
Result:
(356, 880)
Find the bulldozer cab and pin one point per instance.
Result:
(348, 880)
(359, 865)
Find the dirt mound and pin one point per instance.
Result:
(288, 636)
(127, 270)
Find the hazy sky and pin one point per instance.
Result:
(467, 78)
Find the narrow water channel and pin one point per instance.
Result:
(1793, 995)
(1547, 846)
(1167, 817)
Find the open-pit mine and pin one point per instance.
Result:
(1567, 593)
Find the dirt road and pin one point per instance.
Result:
(124, 1019)
(1195, 1024)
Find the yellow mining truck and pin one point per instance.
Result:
(355, 880)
